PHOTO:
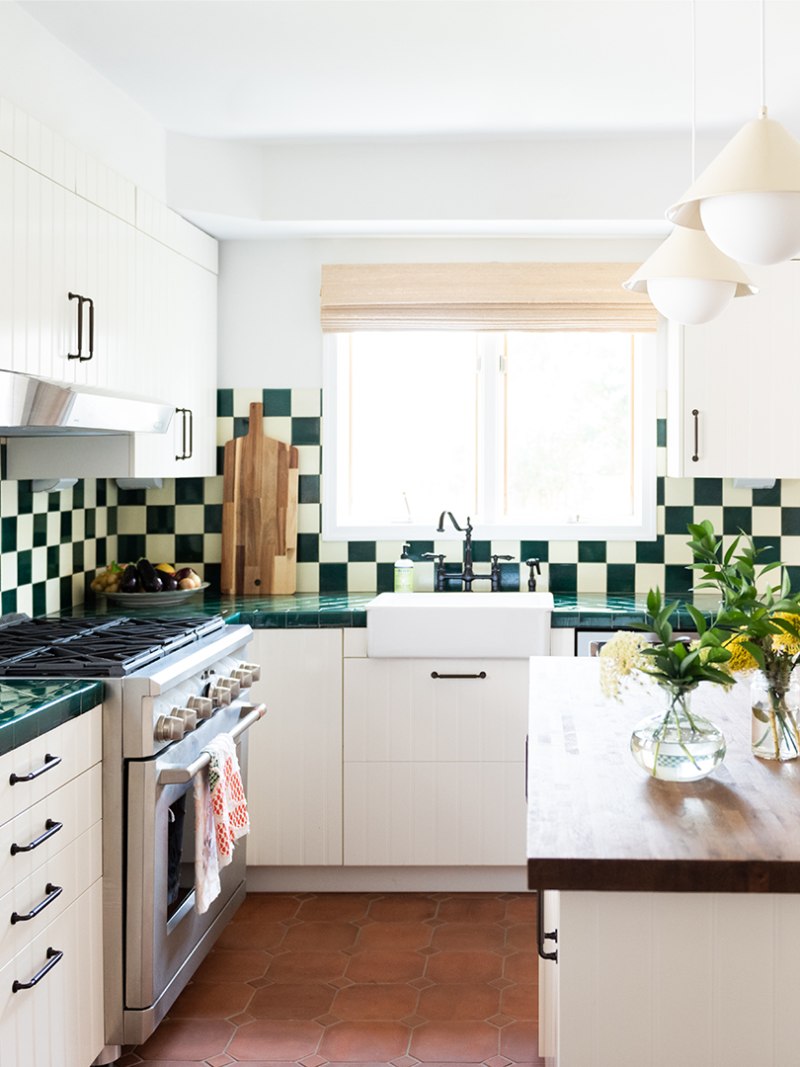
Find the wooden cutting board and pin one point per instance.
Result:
(259, 513)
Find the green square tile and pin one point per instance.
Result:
(332, 577)
(305, 430)
(53, 561)
(416, 549)
(768, 498)
(660, 490)
(101, 493)
(78, 494)
(794, 577)
(189, 548)
(25, 498)
(225, 403)
(241, 426)
(677, 519)
(65, 593)
(220, 459)
(770, 549)
(385, 577)
(591, 552)
(361, 551)
(621, 577)
(161, 519)
(534, 550)
(678, 580)
(39, 598)
(735, 519)
(509, 578)
(211, 574)
(650, 551)
(66, 527)
(24, 566)
(661, 433)
(212, 518)
(708, 492)
(790, 521)
(54, 502)
(89, 523)
(101, 551)
(563, 577)
(111, 521)
(277, 401)
(131, 547)
(189, 490)
(8, 533)
(77, 557)
(8, 601)
(132, 497)
(481, 551)
(308, 491)
(308, 548)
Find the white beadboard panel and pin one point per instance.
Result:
(434, 814)
(395, 711)
(294, 783)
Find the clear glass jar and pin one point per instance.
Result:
(676, 745)
(775, 701)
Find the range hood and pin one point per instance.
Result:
(36, 407)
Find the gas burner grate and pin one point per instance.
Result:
(96, 647)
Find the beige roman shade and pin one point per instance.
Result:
(482, 296)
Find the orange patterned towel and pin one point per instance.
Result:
(228, 802)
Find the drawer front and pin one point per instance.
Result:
(78, 746)
(59, 1021)
(54, 887)
(55, 821)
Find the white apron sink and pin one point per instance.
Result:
(459, 625)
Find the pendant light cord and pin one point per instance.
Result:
(694, 88)
(763, 63)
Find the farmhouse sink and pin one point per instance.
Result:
(459, 625)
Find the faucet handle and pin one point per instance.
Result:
(534, 570)
(496, 557)
(438, 556)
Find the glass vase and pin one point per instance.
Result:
(776, 705)
(676, 745)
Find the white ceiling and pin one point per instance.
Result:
(326, 69)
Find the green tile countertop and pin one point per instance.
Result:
(29, 709)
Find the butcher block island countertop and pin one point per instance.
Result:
(597, 822)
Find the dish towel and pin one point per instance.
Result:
(221, 817)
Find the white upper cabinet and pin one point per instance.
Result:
(733, 385)
(142, 317)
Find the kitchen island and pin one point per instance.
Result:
(676, 906)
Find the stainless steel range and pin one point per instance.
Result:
(172, 683)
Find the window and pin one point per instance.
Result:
(548, 434)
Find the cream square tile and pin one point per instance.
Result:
(25, 531)
(621, 552)
(52, 594)
(164, 495)
(592, 577)
(506, 548)
(388, 551)
(9, 500)
(8, 570)
(563, 551)
(279, 427)
(78, 524)
(308, 518)
(309, 459)
(39, 563)
(100, 523)
(790, 550)
(661, 462)
(790, 492)
(678, 492)
(732, 497)
(25, 599)
(224, 429)
(90, 556)
(131, 519)
(40, 503)
(65, 559)
(307, 577)
(160, 548)
(332, 551)
(306, 402)
(766, 522)
(212, 548)
(676, 550)
(712, 513)
(648, 576)
(543, 579)
(189, 518)
(660, 519)
(243, 398)
(661, 403)
(424, 577)
(213, 490)
(363, 577)
(54, 527)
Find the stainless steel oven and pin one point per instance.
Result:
(590, 642)
(171, 685)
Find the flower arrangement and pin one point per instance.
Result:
(762, 621)
(676, 743)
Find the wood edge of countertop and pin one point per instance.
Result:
(664, 876)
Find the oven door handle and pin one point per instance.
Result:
(179, 775)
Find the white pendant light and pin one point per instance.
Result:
(748, 198)
(688, 279)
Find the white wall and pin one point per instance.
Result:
(51, 83)
(269, 292)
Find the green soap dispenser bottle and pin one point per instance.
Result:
(404, 572)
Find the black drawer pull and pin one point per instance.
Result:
(49, 763)
(54, 956)
(51, 827)
(52, 891)
(187, 444)
(81, 301)
(435, 674)
(696, 417)
(541, 936)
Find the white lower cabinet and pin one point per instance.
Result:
(294, 785)
(51, 898)
(655, 979)
(434, 762)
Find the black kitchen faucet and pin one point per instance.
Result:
(467, 575)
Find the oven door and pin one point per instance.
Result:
(165, 937)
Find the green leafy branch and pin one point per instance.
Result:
(675, 665)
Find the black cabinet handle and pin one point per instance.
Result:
(696, 417)
(188, 425)
(435, 674)
(49, 763)
(54, 956)
(52, 891)
(81, 301)
(51, 828)
(541, 936)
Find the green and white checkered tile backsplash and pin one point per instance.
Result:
(51, 544)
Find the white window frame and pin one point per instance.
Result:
(642, 526)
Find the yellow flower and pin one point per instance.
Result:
(619, 658)
(740, 660)
(785, 642)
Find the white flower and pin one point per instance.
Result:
(619, 659)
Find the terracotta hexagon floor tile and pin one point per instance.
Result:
(385, 965)
(292, 1000)
(465, 967)
(468, 937)
(413, 1020)
(168, 1063)
(240, 1020)
(522, 908)
(232, 965)
(500, 1020)
(192, 1039)
(260, 983)
(205, 1001)
(277, 1039)
(522, 936)
(405, 1061)
(522, 967)
(321, 936)
(313, 1061)
(501, 983)
(395, 935)
(379, 1002)
(468, 1042)
(521, 1001)
(466, 1000)
(252, 935)
(220, 1061)
(421, 983)
(496, 1061)
(379, 1041)
(468, 909)
(335, 907)
(308, 966)
(340, 983)
(403, 908)
(328, 1019)
(520, 1041)
(268, 907)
